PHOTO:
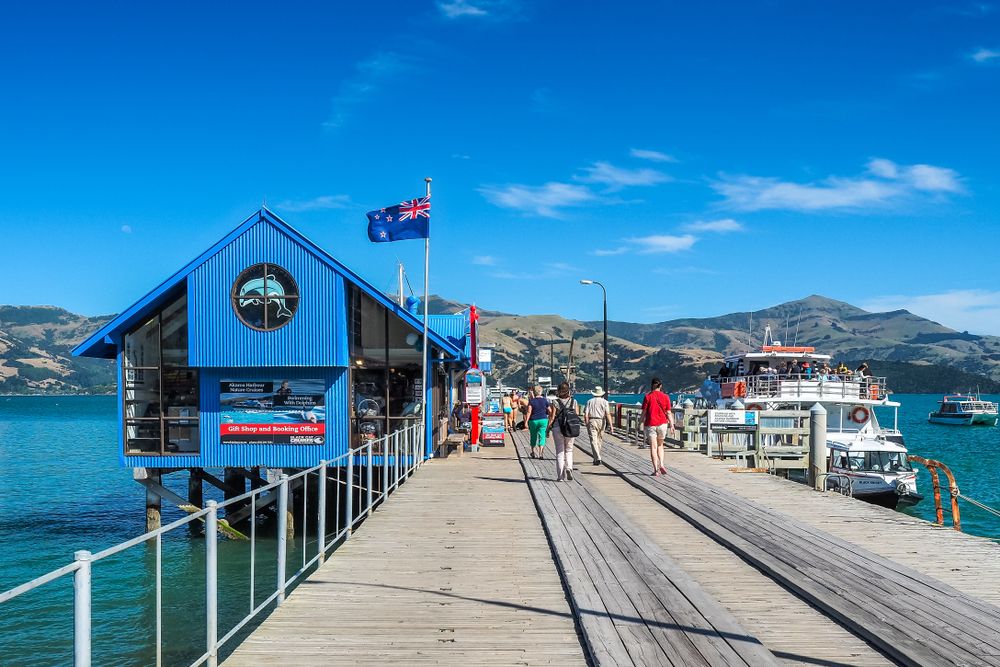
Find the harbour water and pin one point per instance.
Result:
(61, 490)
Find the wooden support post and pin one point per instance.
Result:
(236, 485)
(196, 496)
(817, 447)
(153, 502)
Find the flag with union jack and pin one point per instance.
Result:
(407, 220)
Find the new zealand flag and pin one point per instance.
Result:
(406, 220)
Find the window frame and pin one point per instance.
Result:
(233, 296)
(162, 419)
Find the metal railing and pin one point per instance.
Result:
(844, 489)
(802, 387)
(400, 452)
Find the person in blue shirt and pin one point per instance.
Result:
(536, 419)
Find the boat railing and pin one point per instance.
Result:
(802, 387)
(399, 453)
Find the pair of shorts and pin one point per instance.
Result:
(656, 433)
(506, 411)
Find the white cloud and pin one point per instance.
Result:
(544, 200)
(322, 203)
(485, 260)
(985, 55)
(884, 183)
(370, 77)
(977, 311)
(607, 252)
(653, 156)
(127, 229)
(723, 226)
(454, 9)
(617, 178)
(663, 243)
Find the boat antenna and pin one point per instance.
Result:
(785, 338)
(798, 318)
(750, 336)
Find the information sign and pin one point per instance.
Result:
(279, 412)
(732, 420)
(473, 387)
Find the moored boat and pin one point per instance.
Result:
(869, 456)
(964, 410)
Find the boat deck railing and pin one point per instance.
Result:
(802, 387)
(399, 455)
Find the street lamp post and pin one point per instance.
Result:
(605, 293)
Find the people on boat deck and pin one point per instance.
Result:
(842, 368)
(862, 370)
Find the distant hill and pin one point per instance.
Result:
(917, 355)
(35, 344)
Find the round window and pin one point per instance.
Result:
(265, 297)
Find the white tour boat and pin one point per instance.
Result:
(962, 410)
(871, 457)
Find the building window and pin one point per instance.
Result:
(159, 389)
(265, 297)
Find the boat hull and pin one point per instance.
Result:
(963, 420)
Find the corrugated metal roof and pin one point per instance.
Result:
(103, 343)
(455, 328)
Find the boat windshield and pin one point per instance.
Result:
(878, 461)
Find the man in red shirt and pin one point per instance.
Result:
(658, 420)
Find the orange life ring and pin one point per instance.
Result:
(860, 414)
(740, 390)
(755, 406)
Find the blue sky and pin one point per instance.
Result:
(698, 158)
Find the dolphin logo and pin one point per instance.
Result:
(254, 291)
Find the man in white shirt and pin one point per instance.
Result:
(596, 414)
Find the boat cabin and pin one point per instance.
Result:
(266, 351)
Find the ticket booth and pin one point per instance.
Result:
(266, 351)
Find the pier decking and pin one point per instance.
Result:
(480, 562)
(456, 570)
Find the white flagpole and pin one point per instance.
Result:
(426, 385)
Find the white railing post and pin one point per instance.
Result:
(282, 535)
(368, 472)
(385, 467)
(350, 493)
(81, 610)
(321, 519)
(212, 583)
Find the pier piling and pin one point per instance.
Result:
(817, 447)
(153, 502)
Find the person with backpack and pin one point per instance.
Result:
(564, 424)
(658, 420)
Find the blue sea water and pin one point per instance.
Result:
(61, 490)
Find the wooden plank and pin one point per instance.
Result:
(813, 587)
(630, 583)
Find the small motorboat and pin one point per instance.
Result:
(964, 410)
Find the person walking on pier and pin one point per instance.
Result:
(536, 419)
(564, 423)
(597, 413)
(658, 420)
(508, 411)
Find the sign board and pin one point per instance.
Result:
(493, 430)
(732, 420)
(486, 359)
(473, 387)
(544, 379)
(278, 412)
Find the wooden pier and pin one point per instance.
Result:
(487, 560)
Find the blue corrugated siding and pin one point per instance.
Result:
(455, 328)
(316, 336)
(216, 455)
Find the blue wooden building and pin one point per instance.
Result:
(265, 351)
